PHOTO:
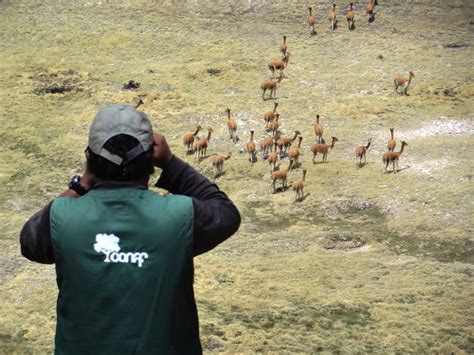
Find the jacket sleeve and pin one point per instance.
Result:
(35, 238)
(215, 216)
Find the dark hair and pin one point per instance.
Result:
(134, 170)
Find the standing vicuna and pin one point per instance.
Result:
(311, 22)
(298, 187)
(283, 47)
(403, 82)
(273, 157)
(279, 64)
(332, 17)
(273, 125)
(322, 148)
(270, 115)
(281, 175)
(270, 85)
(350, 17)
(251, 148)
(294, 153)
(370, 10)
(218, 163)
(200, 146)
(188, 139)
(392, 143)
(137, 102)
(393, 157)
(318, 130)
(360, 152)
(231, 126)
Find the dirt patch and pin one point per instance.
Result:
(58, 82)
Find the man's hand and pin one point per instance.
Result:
(88, 180)
(161, 151)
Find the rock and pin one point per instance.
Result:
(131, 85)
(213, 71)
(449, 92)
(455, 45)
(213, 344)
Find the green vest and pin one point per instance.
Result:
(124, 265)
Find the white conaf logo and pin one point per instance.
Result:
(109, 245)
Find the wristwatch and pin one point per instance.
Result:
(75, 184)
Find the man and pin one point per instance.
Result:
(124, 254)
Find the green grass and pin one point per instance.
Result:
(366, 263)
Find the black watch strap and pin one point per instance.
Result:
(75, 184)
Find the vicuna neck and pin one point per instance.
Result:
(403, 147)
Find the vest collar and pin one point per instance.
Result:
(109, 185)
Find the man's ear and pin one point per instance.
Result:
(86, 153)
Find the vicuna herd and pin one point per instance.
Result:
(274, 146)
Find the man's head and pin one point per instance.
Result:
(120, 144)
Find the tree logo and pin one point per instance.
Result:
(108, 244)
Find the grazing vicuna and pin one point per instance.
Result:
(322, 148)
(393, 157)
(283, 47)
(392, 143)
(294, 152)
(350, 17)
(188, 139)
(403, 82)
(251, 148)
(279, 64)
(273, 157)
(270, 115)
(361, 151)
(285, 142)
(281, 175)
(218, 163)
(311, 22)
(200, 146)
(270, 85)
(266, 145)
(298, 187)
(332, 17)
(318, 130)
(231, 126)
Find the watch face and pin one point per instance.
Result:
(75, 180)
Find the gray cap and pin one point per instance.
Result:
(118, 119)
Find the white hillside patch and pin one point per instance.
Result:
(426, 167)
(443, 126)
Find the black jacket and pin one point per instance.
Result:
(215, 216)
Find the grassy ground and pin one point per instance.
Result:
(367, 262)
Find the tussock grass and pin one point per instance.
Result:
(366, 263)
